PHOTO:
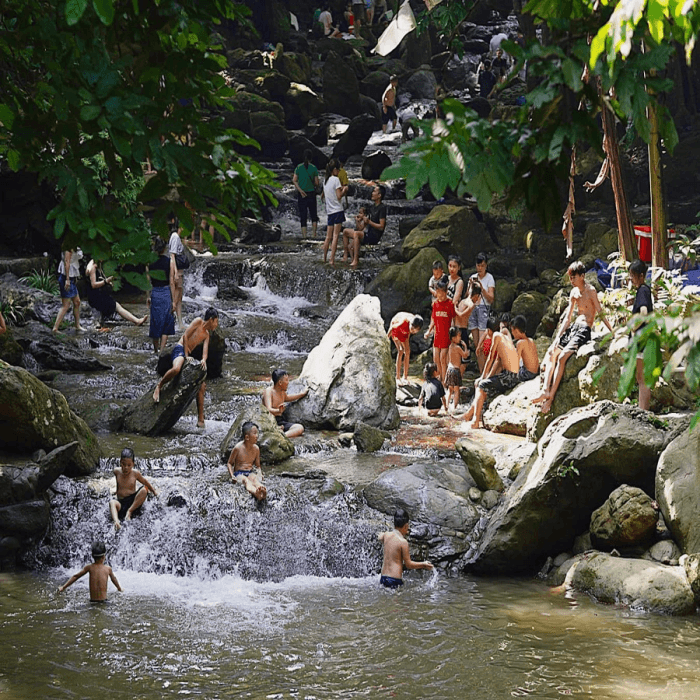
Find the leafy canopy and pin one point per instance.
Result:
(93, 90)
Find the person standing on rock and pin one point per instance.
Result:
(160, 298)
(306, 181)
(198, 332)
(478, 319)
(396, 553)
(643, 304)
(389, 104)
(376, 223)
(275, 400)
(333, 193)
(68, 273)
(176, 250)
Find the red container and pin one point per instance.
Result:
(643, 236)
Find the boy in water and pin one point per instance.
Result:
(244, 462)
(571, 337)
(275, 400)
(199, 331)
(401, 328)
(457, 354)
(396, 554)
(99, 573)
(128, 498)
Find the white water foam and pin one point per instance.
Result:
(284, 307)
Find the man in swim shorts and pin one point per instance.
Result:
(389, 104)
(396, 554)
(129, 498)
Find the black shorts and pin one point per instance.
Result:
(358, 11)
(372, 236)
(499, 384)
(285, 425)
(389, 115)
(574, 337)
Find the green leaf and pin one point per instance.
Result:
(7, 116)
(13, 160)
(90, 112)
(629, 372)
(104, 10)
(74, 11)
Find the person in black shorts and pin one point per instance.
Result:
(376, 223)
(275, 399)
(643, 304)
(389, 104)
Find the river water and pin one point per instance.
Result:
(224, 599)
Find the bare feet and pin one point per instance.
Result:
(546, 406)
(475, 425)
(200, 424)
(127, 516)
(54, 330)
(433, 412)
(540, 398)
(117, 526)
(80, 329)
(353, 266)
(141, 321)
(156, 394)
(260, 493)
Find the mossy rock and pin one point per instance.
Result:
(10, 350)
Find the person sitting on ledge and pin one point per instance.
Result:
(275, 400)
(129, 499)
(244, 462)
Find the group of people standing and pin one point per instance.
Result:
(369, 224)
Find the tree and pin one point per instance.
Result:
(93, 90)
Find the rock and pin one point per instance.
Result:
(481, 464)
(274, 83)
(256, 232)
(627, 518)
(301, 104)
(533, 306)
(355, 138)
(247, 103)
(341, 90)
(298, 144)
(417, 51)
(691, 566)
(475, 494)
(145, 417)
(350, 374)
(374, 165)
(374, 84)
(215, 355)
(295, 66)
(599, 240)
(436, 495)
(511, 413)
(28, 303)
(633, 582)
(345, 439)
(490, 499)
(505, 295)
(421, 85)
(676, 489)
(665, 552)
(319, 136)
(582, 457)
(25, 520)
(274, 445)
(404, 286)
(480, 105)
(33, 416)
(272, 139)
(408, 223)
(582, 543)
(10, 350)
(367, 438)
(451, 230)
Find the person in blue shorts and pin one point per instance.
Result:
(396, 554)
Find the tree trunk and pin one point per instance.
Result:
(659, 253)
(625, 232)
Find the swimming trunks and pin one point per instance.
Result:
(401, 332)
(245, 472)
(499, 383)
(453, 376)
(178, 351)
(285, 425)
(390, 582)
(126, 503)
(525, 375)
(389, 115)
(574, 337)
(487, 345)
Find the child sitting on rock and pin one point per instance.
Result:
(432, 393)
(244, 462)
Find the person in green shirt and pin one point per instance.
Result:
(306, 181)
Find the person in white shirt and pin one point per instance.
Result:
(326, 19)
(480, 316)
(177, 248)
(333, 192)
(68, 273)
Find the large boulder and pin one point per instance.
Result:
(452, 230)
(355, 138)
(374, 165)
(298, 144)
(301, 104)
(350, 374)
(677, 479)
(421, 85)
(436, 497)
(256, 232)
(626, 519)
(374, 84)
(272, 138)
(295, 66)
(511, 412)
(341, 90)
(533, 305)
(582, 457)
(32, 417)
(638, 583)
(481, 464)
(405, 286)
(10, 350)
(274, 445)
(367, 438)
(145, 417)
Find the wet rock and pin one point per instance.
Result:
(627, 518)
(633, 582)
(481, 464)
(272, 138)
(345, 439)
(374, 84)
(371, 108)
(408, 223)
(374, 165)
(451, 230)
(25, 520)
(356, 137)
(341, 90)
(421, 85)
(30, 304)
(10, 350)
(252, 231)
(33, 416)
(145, 417)
(368, 438)
(319, 135)
(532, 305)
(274, 445)
(691, 566)
(665, 552)
(582, 457)
(676, 489)
(404, 287)
(301, 104)
(295, 66)
(298, 144)
(490, 499)
(215, 355)
(350, 374)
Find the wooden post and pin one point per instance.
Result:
(659, 252)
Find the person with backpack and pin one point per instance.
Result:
(306, 182)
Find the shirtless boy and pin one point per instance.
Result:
(527, 350)
(199, 331)
(99, 573)
(389, 104)
(275, 400)
(401, 328)
(396, 554)
(490, 384)
(244, 462)
(571, 337)
(128, 498)
(457, 353)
